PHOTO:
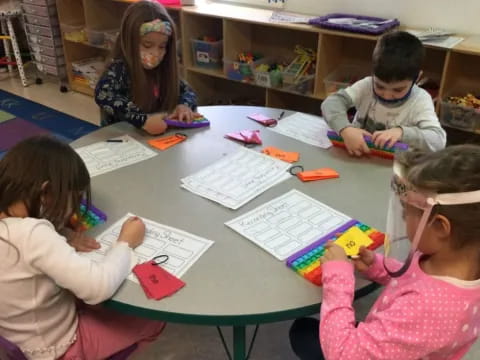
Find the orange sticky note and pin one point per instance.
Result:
(318, 174)
(280, 154)
(165, 142)
(352, 239)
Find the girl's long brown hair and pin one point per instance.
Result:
(127, 48)
(48, 176)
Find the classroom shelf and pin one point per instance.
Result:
(243, 29)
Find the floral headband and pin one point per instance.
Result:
(157, 25)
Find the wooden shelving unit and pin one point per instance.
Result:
(248, 29)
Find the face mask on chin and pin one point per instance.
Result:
(393, 102)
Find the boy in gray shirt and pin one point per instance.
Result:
(390, 106)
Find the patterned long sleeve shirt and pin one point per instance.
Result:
(417, 316)
(112, 94)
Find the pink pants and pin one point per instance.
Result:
(103, 332)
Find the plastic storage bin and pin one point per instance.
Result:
(39, 2)
(74, 33)
(207, 54)
(273, 78)
(303, 86)
(98, 37)
(45, 41)
(344, 76)
(43, 31)
(458, 116)
(39, 10)
(40, 20)
(236, 70)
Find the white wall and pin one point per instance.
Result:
(462, 16)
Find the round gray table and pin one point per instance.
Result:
(235, 283)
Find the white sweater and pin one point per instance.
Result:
(39, 286)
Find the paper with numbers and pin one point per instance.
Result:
(288, 223)
(237, 178)
(309, 129)
(105, 156)
(182, 248)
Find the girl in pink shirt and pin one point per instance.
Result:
(430, 306)
(45, 285)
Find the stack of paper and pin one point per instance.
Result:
(237, 178)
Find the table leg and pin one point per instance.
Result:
(239, 344)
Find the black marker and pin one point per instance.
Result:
(115, 140)
(281, 115)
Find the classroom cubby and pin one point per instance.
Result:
(244, 29)
(284, 100)
(220, 91)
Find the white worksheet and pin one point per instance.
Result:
(104, 156)
(182, 248)
(288, 223)
(309, 129)
(237, 178)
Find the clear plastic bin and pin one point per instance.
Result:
(239, 71)
(344, 76)
(46, 50)
(303, 86)
(43, 31)
(97, 37)
(273, 78)
(40, 20)
(39, 10)
(53, 70)
(207, 54)
(458, 116)
(45, 41)
(74, 32)
(39, 2)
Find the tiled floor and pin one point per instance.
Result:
(181, 342)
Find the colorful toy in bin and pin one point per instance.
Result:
(385, 152)
(89, 219)
(242, 69)
(350, 236)
(269, 75)
(302, 65)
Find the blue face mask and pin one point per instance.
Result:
(394, 102)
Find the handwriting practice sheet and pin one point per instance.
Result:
(288, 223)
(309, 129)
(182, 248)
(237, 178)
(105, 156)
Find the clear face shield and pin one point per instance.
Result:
(409, 214)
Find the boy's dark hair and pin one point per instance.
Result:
(451, 170)
(398, 56)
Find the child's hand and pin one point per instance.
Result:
(155, 124)
(365, 259)
(333, 252)
(354, 141)
(387, 137)
(133, 232)
(183, 113)
(81, 242)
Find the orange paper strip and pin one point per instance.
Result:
(290, 157)
(318, 174)
(165, 142)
